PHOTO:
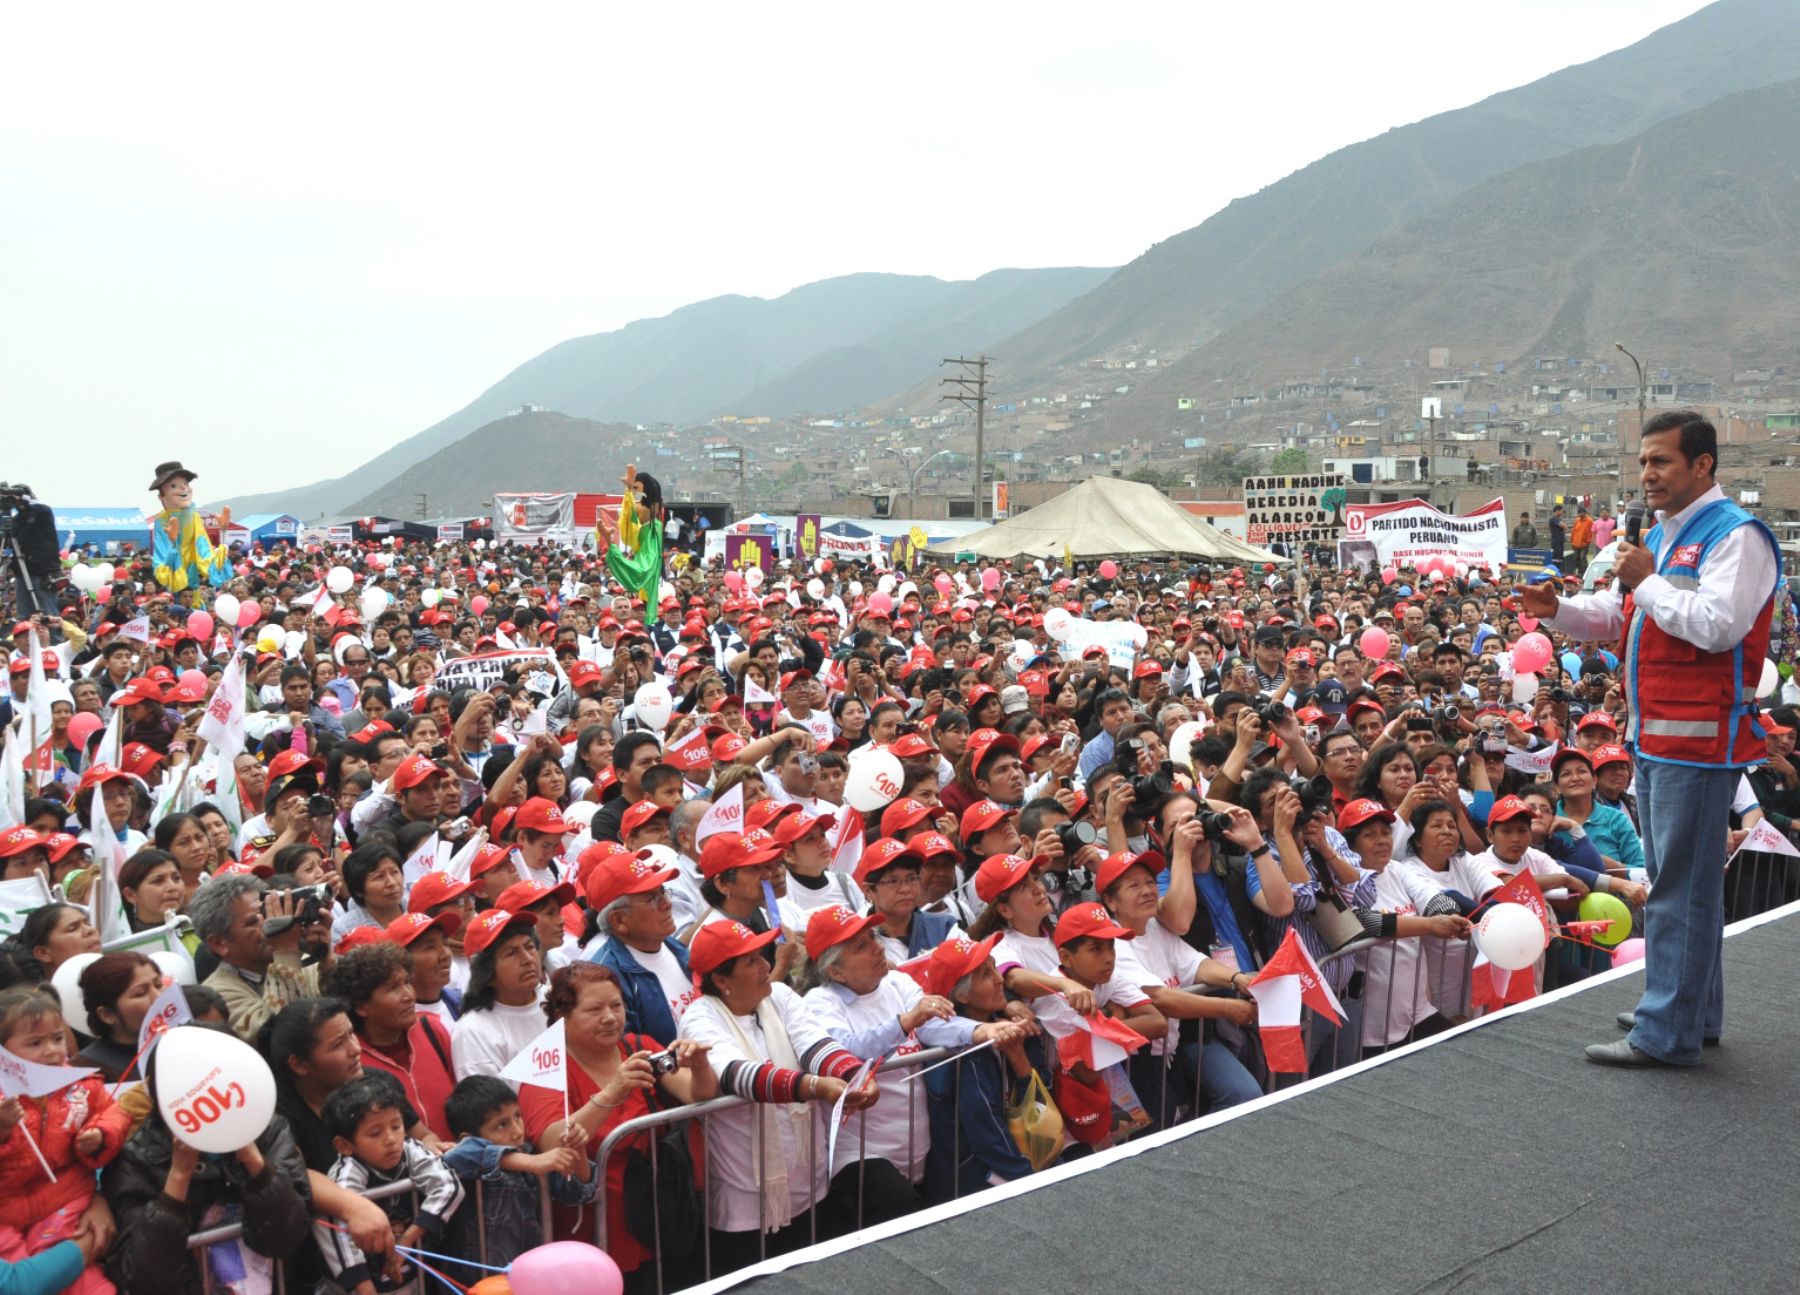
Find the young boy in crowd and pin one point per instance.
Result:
(1084, 943)
(368, 1128)
(484, 1113)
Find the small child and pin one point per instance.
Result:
(368, 1127)
(1084, 944)
(484, 1113)
(78, 1129)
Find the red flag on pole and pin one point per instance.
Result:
(1287, 982)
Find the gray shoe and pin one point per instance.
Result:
(1622, 1053)
(1628, 1022)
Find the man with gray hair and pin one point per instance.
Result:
(255, 935)
(629, 896)
(684, 890)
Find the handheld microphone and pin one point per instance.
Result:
(1634, 525)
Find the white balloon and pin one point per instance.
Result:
(907, 587)
(374, 602)
(874, 780)
(1512, 936)
(225, 611)
(1140, 635)
(1056, 623)
(1524, 687)
(754, 577)
(105, 572)
(885, 585)
(81, 575)
(582, 812)
(429, 597)
(293, 642)
(1181, 743)
(176, 965)
(815, 589)
(654, 705)
(215, 1091)
(67, 984)
(1771, 680)
(339, 580)
(856, 589)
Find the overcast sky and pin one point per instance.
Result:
(271, 241)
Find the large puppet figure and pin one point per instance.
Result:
(636, 561)
(184, 557)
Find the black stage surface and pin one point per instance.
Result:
(1494, 1160)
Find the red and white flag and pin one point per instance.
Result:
(1100, 1043)
(690, 752)
(222, 727)
(1287, 982)
(1492, 987)
(138, 627)
(726, 815)
(757, 695)
(1766, 838)
(846, 840)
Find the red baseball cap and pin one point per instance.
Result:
(834, 925)
(406, 928)
(1090, 920)
(621, 873)
(139, 759)
(982, 815)
(436, 888)
(1385, 669)
(640, 814)
(983, 742)
(360, 938)
(415, 771)
(1151, 669)
(492, 926)
(489, 856)
(929, 845)
(1598, 719)
(902, 814)
(717, 943)
(291, 761)
(880, 855)
(96, 774)
(766, 813)
(540, 815)
(724, 851)
(522, 895)
(792, 827)
(1364, 704)
(1358, 812)
(999, 873)
(1115, 866)
(17, 840)
(1507, 807)
(1611, 753)
(58, 844)
(725, 749)
(910, 746)
(951, 961)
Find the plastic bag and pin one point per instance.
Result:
(1036, 1124)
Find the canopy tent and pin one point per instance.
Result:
(1104, 517)
(264, 529)
(105, 528)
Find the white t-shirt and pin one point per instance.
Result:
(1157, 957)
(677, 985)
(481, 1043)
(441, 1010)
(1038, 953)
(1475, 874)
(839, 888)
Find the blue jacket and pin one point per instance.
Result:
(971, 1142)
(928, 931)
(646, 1006)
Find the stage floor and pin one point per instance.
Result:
(1495, 1159)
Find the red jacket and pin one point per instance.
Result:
(423, 1068)
(26, 1196)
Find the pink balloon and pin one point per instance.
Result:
(478, 604)
(103, 595)
(1374, 643)
(1389, 575)
(1531, 653)
(193, 678)
(564, 1266)
(1109, 569)
(1528, 623)
(734, 581)
(248, 614)
(82, 727)
(1631, 950)
(880, 604)
(990, 579)
(944, 583)
(200, 625)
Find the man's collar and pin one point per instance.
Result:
(1681, 518)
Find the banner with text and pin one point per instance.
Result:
(535, 519)
(484, 671)
(1411, 531)
(1307, 509)
(1119, 638)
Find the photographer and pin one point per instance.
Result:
(260, 970)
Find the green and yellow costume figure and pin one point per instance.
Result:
(636, 561)
(184, 558)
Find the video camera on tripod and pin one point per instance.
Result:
(30, 561)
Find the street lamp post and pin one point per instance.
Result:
(1642, 415)
(912, 484)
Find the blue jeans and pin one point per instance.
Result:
(1685, 813)
(1223, 1081)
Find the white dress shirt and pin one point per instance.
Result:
(1736, 581)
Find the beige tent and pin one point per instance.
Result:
(1105, 517)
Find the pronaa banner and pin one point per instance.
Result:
(806, 535)
(1411, 532)
(745, 551)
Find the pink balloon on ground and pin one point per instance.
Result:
(248, 615)
(563, 1267)
(1631, 950)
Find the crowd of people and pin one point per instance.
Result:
(395, 885)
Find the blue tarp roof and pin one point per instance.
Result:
(263, 526)
(97, 525)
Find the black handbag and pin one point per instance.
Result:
(662, 1209)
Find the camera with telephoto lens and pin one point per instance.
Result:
(1213, 823)
(311, 903)
(1075, 834)
(1272, 714)
(1314, 793)
(1148, 790)
(664, 1063)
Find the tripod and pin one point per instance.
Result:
(19, 592)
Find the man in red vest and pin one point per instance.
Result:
(1691, 609)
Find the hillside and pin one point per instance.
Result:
(1187, 288)
(536, 450)
(826, 346)
(1684, 242)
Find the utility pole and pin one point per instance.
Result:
(724, 459)
(1643, 415)
(423, 513)
(971, 393)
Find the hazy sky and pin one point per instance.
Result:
(271, 241)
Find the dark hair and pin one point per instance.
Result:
(294, 1032)
(475, 1100)
(566, 984)
(626, 749)
(103, 980)
(535, 764)
(359, 975)
(146, 861)
(202, 1001)
(1422, 813)
(1698, 436)
(295, 671)
(1257, 785)
(1034, 817)
(37, 928)
(364, 859)
(349, 1106)
(1368, 783)
(481, 995)
(290, 857)
(170, 827)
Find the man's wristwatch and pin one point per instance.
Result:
(1259, 851)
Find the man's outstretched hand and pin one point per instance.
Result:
(1538, 600)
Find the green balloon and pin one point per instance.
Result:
(1785, 670)
(1600, 907)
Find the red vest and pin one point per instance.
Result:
(1689, 706)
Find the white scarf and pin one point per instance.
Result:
(765, 1143)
